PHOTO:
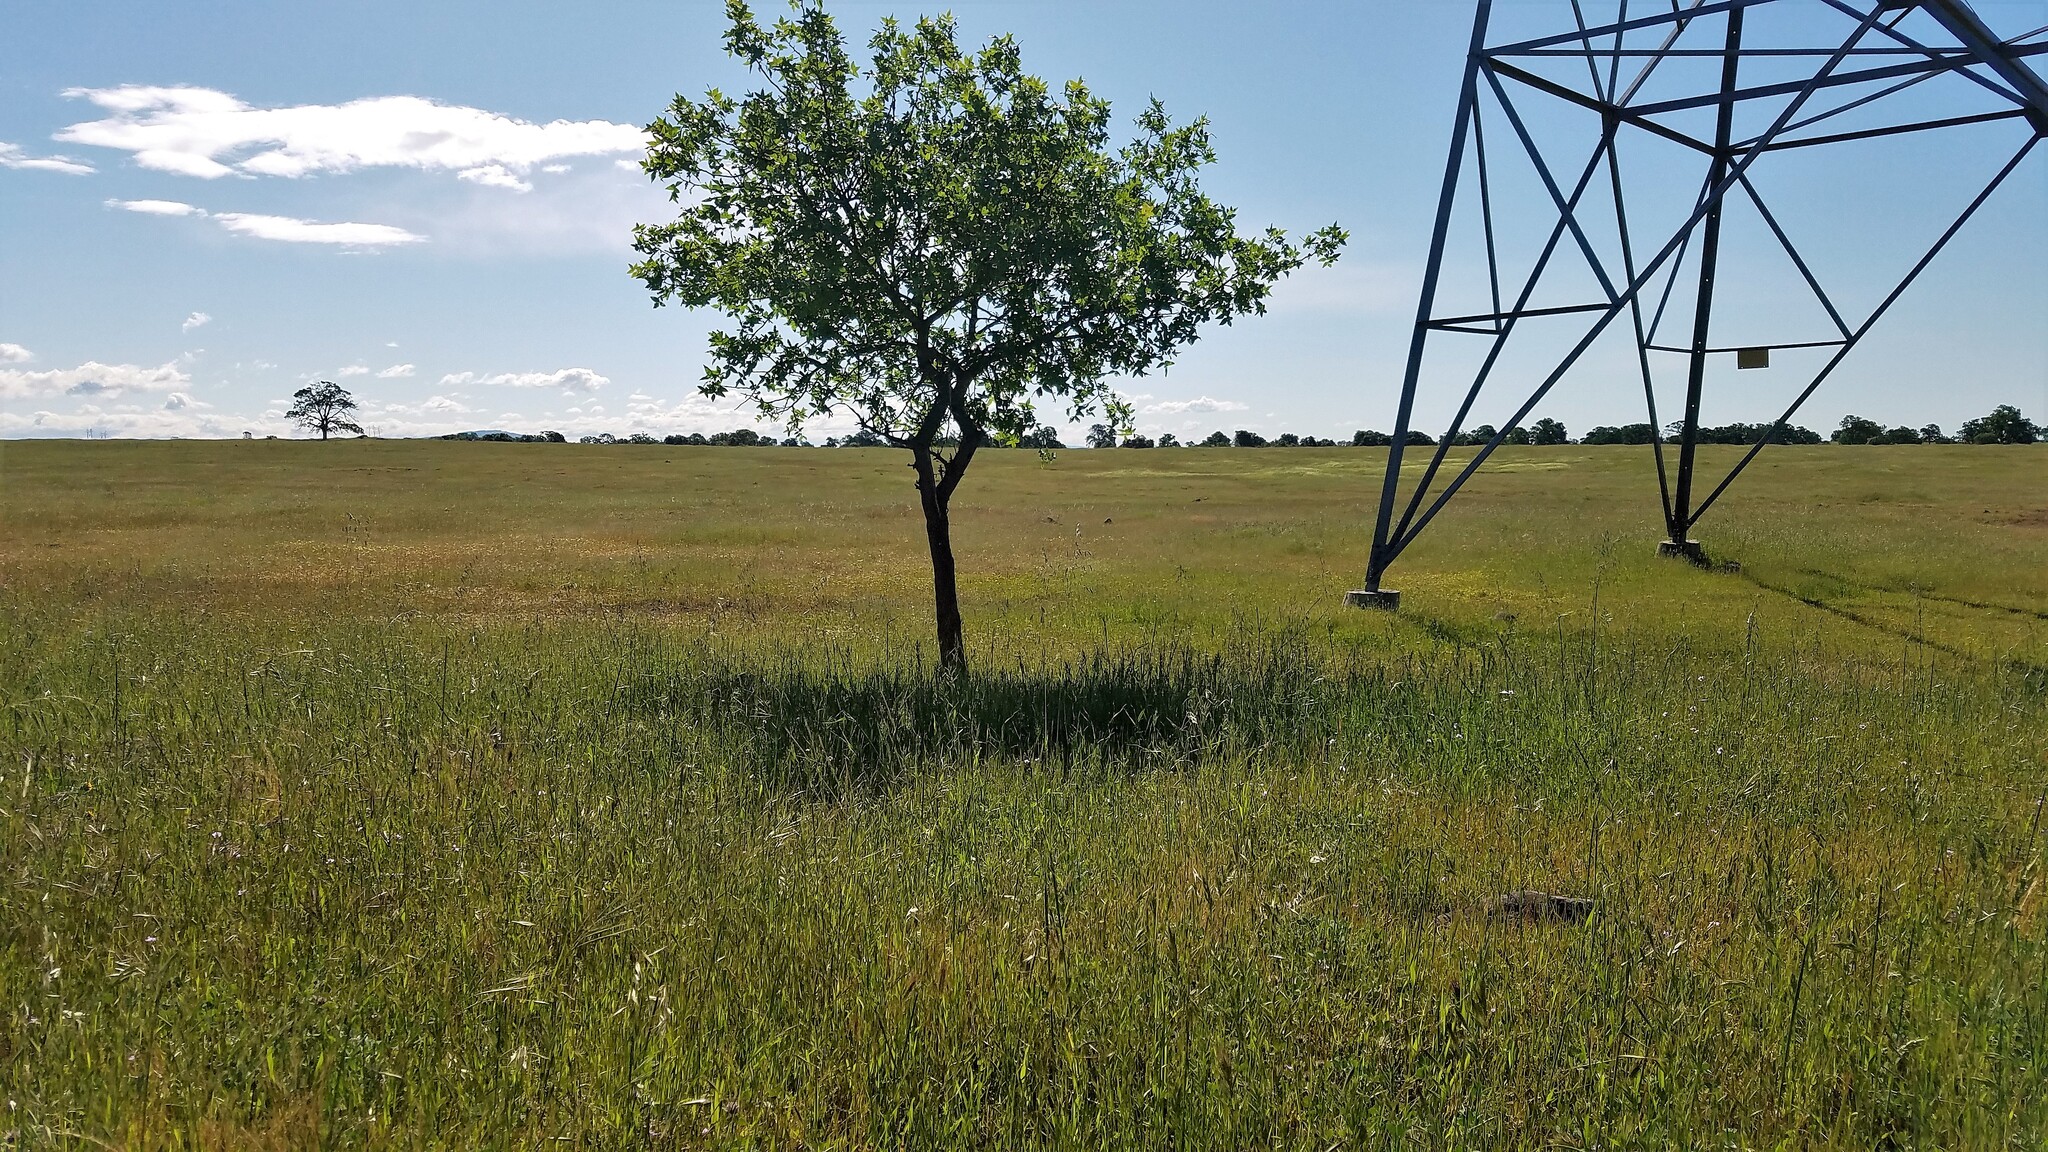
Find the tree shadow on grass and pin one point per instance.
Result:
(831, 728)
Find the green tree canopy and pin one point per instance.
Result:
(935, 242)
(324, 407)
(2004, 425)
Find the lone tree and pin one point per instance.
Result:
(324, 407)
(934, 241)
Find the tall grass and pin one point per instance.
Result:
(362, 884)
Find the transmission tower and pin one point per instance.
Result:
(1721, 90)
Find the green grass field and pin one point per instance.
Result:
(445, 795)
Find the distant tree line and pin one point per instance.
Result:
(509, 437)
(2004, 425)
(1724, 434)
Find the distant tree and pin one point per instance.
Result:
(1932, 434)
(1737, 433)
(1216, 440)
(1625, 434)
(1136, 441)
(1419, 439)
(1042, 437)
(2004, 425)
(675, 438)
(554, 438)
(1287, 440)
(862, 439)
(642, 438)
(324, 407)
(1900, 435)
(1368, 438)
(936, 240)
(1518, 435)
(1245, 439)
(1477, 436)
(1856, 430)
(1101, 436)
(1549, 432)
(1168, 440)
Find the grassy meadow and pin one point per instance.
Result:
(458, 795)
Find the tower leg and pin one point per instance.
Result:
(1384, 547)
(1681, 518)
(1686, 550)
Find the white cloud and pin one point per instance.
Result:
(196, 320)
(157, 207)
(15, 354)
(395, 372)
(90, 379)
(1198, 404)
(431, 406)
(207, 133)
(568, 379)
(554, 169)
(179, 414)
(590, 209)
(495, 176)
(11, 156)
(295, 231)
(171, 419)
(285, 228)
(356, 370)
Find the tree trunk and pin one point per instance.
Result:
(938, 534)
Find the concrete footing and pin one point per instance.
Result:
(1689, 551)
(1386, 600)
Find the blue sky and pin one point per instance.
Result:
(203, 206)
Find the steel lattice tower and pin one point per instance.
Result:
(1732, 84)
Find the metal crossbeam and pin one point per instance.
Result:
(1984, 67)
